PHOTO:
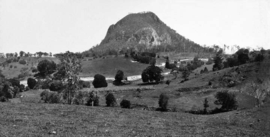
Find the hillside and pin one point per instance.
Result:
(144, 31)
(27, 116)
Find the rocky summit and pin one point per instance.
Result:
(143, 29)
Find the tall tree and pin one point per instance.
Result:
(68, 70)
(22, 53)
(218, 60)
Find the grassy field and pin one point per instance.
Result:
(18, 68)
(37, 119)
(109, 66)
(28, 116)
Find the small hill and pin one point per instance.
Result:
(144, 31)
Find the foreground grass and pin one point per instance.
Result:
(29, 119)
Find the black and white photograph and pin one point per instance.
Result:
(134, 68)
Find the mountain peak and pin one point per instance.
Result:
(146, 29)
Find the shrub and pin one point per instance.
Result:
(205, 70)
(163, 102)
(50, 97)
(242, 56)
(34, 70)
(45, 84)
(185, 73)
(27, 88)
(56, 85)
(227, 100)
(23, 62)
(118, 78)
(110, 100)
(99, 81)
(152, 73)
(14, 82)
(31, 83)
(84, 84)
(205, 105)
(78, 98)
(93, 99)
(119, 75)
(6, 92)
(125, 103)
(3, 99)
(259, 58)
(218, 61)
(45, 68)
(22, 88)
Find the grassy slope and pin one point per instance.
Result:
(27, 117)
(109, 67)
(31, 62)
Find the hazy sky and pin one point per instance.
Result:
(76, 25)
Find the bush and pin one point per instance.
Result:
(226, 100)
(218, 61)
(84, 84)
(27, 88)
(110, 100)
(78, 98)
(119, 75)
(31, 83)
(56, 85)
(50, 97)
(118, 78)
(99, 81)
(14, 82)
(125, 103)
(185, 73)
(242, 56)
(205, 105)
(22, 88)
(163, 102)
(45, 68)
(93, 99)
(3, 99)
(23, 62)
(259, 58)
(6, 92)
(152, 73)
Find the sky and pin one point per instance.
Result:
(77, 25)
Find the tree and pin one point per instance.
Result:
(68, 70)
(218, 60)
(152, 73)
(31, 83)
(39, 53)
(205, 105)
(45, 68)
(99, 81)
(242, 55)
(110, 100)
(125, 103)
(22, 53)
(118, 77)
(163, 102)
(227, 100)
(185, 73)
